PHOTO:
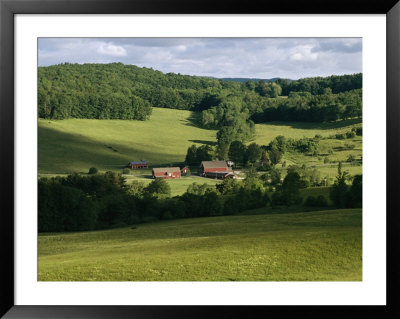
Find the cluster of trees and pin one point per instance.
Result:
(354, 131)
(101, 201)
(316, 201)
(232, 117)
(121, 91)
(96, 201)
(265, 156)
(305, 107)
(248, 155)
(83, 203)
(66, 103)
(289, 192)
(235, 115)
(243, 155)
(195, 155)
(317, 85)
(270, 155)
(305, 145)
(307, 177)
(343, 195)
(269, 89)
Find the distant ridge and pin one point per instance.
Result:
(252, 79)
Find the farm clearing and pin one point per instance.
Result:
(75, 145)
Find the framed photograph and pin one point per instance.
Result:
(172, 160)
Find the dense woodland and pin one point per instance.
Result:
(118, 91)
(101, 201)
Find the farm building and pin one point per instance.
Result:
(216, 169)
(220, 175)
(184, 170)
(214, 166)
(139, 164)
(167, 172)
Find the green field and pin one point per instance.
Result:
(268, 131)
(75, 145)
(178, 186)
(335, 150)
(308, 246)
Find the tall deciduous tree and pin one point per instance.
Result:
(159, 188)
(237, 152)
(253, 153)
(191, 155)
(274, 155)
(291, 189)
(339, 189)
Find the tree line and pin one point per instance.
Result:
(102, 201)
(304, 107)
(264, 157)
(118, 91)
(317, 85)
(236, 115)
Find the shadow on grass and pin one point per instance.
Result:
(280, 219)
(211, 143)
(195, 120)
(61, 152)
(313, 126)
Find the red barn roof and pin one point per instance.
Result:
(214, 164)
(166, 170)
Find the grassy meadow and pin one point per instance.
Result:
(178, 186)
(75, 145)
(301, 246)
(267, 244)
(266, 132)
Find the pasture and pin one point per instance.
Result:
(301, 246)
(178, 186)
(266, 132)
(75, 145)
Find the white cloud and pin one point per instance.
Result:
(304, 53)
(111, 50)
(181, 48)
(220, 57)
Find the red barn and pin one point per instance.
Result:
(167, 172)
(214, 167)
(139, 164)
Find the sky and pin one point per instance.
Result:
(265, 58)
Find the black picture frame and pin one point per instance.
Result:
(8, 8)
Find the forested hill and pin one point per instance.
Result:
(118, 91)
(250, 79)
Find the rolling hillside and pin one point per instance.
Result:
(311, 246)
(75, 145)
